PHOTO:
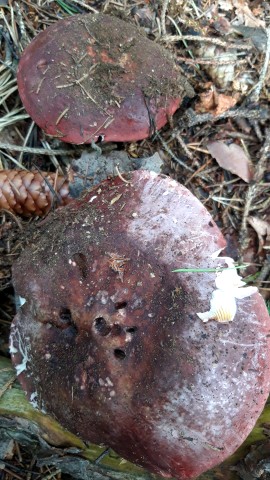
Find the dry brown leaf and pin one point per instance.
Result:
(244, 15)
(262, 228)
(220, 73)
(232, 158)
(215, 103)
(225, 5)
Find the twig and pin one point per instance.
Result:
(183, 145)
(165, 4)
(255, 94)
(14, 217)
(210, 61)
(264, 274)
(7, 385)
(170, 152)
(25, 141)
(191, 119)
(252, 191)
(52, 157)
(39, 151)
(102, 455)
(87, 7)
(264, 156)
(214, 41)
(121, 176)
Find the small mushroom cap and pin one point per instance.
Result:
(94, 75)
(109, 340)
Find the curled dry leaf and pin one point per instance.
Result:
(225, 5)
(246, 17)
(232, 158)
(214, 102)
(222, 68)
(262, 228)
(243, 14)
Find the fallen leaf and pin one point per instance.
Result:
(225, 5)
(245, 17)
(262, 228)
(232, 158)
(221, 70)
(256, 35)
(221, 25)
(214, 102)
(243, 14)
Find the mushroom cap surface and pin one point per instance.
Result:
(94, 75)
(109, 340)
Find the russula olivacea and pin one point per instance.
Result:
(108, 339)
(95, 76)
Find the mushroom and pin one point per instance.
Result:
(109, 341)
(95, 76)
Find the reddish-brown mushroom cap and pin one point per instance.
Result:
(92, 76)
(109, 340)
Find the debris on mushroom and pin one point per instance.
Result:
(94, 76)
(229, 286)
(126, 362)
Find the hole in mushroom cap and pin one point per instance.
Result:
(120, 354)
(131, 329)
(120, 305)
(101, 326)
(81, 261)
(65, 317)
(65, 321)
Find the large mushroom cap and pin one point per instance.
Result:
(94, 75)
(109, 340)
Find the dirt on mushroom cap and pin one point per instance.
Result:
(93, 75)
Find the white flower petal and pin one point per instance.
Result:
(229, 286)
(215, 255)
(222, 308)
(245, 292)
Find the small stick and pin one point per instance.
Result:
(252, 191)
(214, 41)
(164, 9)
(87, 7)
(170, 152)
(191, 119)
(38, 151)
(121, 176)
(61, 115)
(255, 94)
(7, 385)
(183, 145)
(210, 61)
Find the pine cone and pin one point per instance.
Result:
(32, 193)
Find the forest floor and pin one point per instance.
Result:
(217, 144)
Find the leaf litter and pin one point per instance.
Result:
(233, 158)
(227, 64)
